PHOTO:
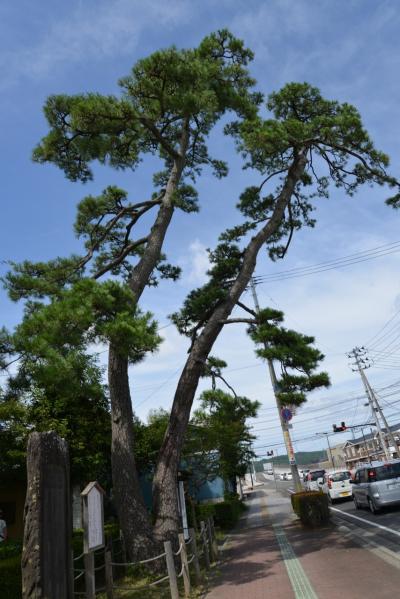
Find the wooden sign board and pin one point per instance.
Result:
(93, 517)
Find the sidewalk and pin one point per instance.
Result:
(272, 556)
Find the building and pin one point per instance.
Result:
(368, 447)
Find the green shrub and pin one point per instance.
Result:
(10, 577)
(225, 514)
(311, 507)
(10, 548)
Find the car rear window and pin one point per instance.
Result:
(339, 476)
(317, 474)
(387, 471)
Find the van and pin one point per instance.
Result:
(314, 480)
(377, 485)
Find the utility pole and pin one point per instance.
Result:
(358, 354)
(330, 449)
(284, 423)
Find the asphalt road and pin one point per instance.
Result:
(381, 530)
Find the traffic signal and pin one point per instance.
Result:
(339, 429)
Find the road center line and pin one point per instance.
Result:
(393, 532)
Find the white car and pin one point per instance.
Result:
(289, 476)
(314, 480)
(337, 485)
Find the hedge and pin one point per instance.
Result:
(311, 507)
(225, 514)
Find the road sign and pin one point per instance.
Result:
(286, 414)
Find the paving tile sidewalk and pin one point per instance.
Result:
(271, 556)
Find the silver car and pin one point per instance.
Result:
(377, 485)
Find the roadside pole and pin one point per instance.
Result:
(356, 353)
(284, 423)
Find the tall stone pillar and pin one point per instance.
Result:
(46, 555)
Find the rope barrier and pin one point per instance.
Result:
(99, 567)
(181, 572)
(141, 588)
(144, 561)
(179, 550)
(152, 584)
(79, 575)
(79, 557)
(191, 559)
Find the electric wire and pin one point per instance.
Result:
(345, 261)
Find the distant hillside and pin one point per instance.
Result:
(303, 458)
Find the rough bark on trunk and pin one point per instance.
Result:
(133, 516)
(164, 483)
(132, 513)
(46, 554)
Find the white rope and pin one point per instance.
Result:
(143, 561)
(181, 572)
(99, 567)
(191, 559)
(179, 550)
(79, 575)
(152, 584)
(79, 557)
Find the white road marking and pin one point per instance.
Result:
(391, 530)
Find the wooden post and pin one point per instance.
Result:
(213, 538)
(203, 534)
(185, 565)
(109, 574)
(169, 558)
(90, 580)
(46, 556)
(196, 565)
(123, 559)
(210, 539)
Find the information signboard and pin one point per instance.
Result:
(93, 517)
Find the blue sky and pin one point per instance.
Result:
(347, 48)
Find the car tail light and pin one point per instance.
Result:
(329, 483)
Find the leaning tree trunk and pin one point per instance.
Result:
(164, 483)
(133, 517)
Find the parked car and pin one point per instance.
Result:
(282, 476)
(337, 485)
(377, 485)
(270, 471)
(315, 479)
(305, 474)
(289, 476)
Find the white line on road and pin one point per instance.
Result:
(394, 532)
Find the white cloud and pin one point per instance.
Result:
(94, 30)
(199, 263)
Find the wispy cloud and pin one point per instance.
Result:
(92, 31)
(199, 263)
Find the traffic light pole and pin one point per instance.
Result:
(284, 425)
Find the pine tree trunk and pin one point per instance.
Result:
(132, 513)
(133, 517)
(164, 483)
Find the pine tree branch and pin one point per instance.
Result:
(129, 248)
(244, 307)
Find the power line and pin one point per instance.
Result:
(348, 260)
